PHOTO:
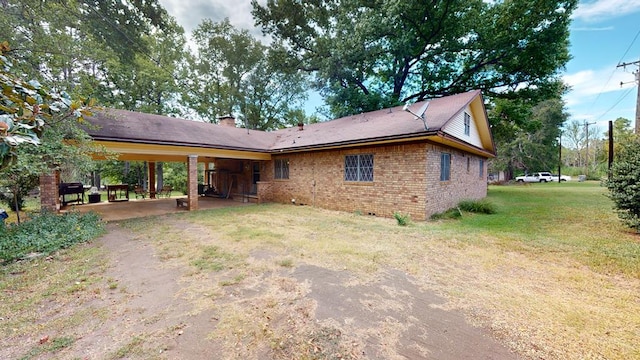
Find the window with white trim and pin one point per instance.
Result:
(445, 167)
(281, 169)
(358, 167)
(481, 168)
(467, 123)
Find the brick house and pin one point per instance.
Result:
(374, 163)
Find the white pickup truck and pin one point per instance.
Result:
(535, 177)
(562, 177)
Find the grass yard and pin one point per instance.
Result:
(553, 273)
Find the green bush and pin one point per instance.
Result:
(453, 213)
(624, 185)
(46, 233)
(477, 206)
(403, 220)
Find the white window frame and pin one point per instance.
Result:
(467, 124)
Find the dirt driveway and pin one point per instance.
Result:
(158, 307)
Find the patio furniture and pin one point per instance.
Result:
(74, 190)
(118, 192)
(140, 192)
(182, 202)
(165, 191)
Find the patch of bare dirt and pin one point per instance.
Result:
(160, 307)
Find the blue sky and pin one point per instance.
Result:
(602, 35)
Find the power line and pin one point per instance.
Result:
(613, 72)
(616, 104)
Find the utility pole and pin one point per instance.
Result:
(586, 130)
(637, 81)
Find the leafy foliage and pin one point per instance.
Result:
(624, 185)
(402, 219)
(367, 55)
(453, 213)
(482, 206)
(234, 73)
(46, 233)
(25, 108)
(527, 133)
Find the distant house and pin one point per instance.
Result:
(374, 163)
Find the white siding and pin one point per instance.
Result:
(455, 127)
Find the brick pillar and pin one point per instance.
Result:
(152, 180)
(192, 181)
(49, 191)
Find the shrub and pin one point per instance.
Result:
(46, 233)
(453, 213)
(624, 185)
(403, 220)
(477, 206)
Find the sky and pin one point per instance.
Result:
(604, 33)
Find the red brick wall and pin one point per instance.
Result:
(192, 181)
(406, 179)
(49, 191)
(465, 183)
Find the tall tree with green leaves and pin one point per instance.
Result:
(61, 43)
(233, 73)
(367, 55)
(527, 135)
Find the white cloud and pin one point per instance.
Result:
(597, 94)
(587, 84)
(587, 28)
(605, 9)
(190, 13)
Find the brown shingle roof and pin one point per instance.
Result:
(382, 124)
(129, 126)
(386, 124)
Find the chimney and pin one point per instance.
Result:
(227, 120)
(300, 126)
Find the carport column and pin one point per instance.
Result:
(192, 181)
(152, 180)
(49, 191)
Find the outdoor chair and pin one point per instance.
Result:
(140, 192)
(165, 191)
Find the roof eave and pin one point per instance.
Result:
(176, 143)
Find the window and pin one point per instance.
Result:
(281, 170)
(445, 167)
(467, 123)
(358, 167)
(481, 168)
(468, 164)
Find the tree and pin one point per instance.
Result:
(234, 73)
(36, 127)
(64, 43)
(368, 55)
(622, 135)
(526, 132)
(624, 185)
(26, 108)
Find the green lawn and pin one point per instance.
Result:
(569, 219)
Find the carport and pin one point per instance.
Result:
(131, 136)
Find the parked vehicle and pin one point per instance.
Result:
(554, 177)
(535, 177)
